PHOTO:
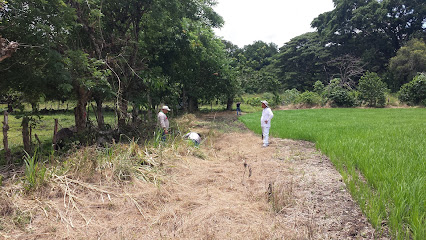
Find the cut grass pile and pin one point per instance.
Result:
(381, 154)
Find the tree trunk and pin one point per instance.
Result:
(7, 154)
(122, 112)
(99, 113)
(134, 114)
(193, 104)
(80, 113)
(34, 107)
(229, 103)
(9, 107)
(149, 105)
(26, 134)
(184, 101)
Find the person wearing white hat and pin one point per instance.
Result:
(163, 121)
(265, 122)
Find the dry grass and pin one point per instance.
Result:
(177, 191)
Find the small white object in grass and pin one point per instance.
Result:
(195, 137)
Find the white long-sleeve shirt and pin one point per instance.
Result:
(267, 115)
(163, 121)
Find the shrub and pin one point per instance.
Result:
(309, 98)
(342, 98)
(254, 101)
(414, 92)
(290, 96)
(372, 90)
(268, 97)
(318, 87)
(338, 95)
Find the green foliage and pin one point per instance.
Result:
(414, 92)
(254, 65)
(309, 99)
(338, 95)
(318, 87)
(34, 172)
(372, 90)
(301, 62)
(387, 146)
(342, 98)
(409, 60)
(290, 96)
(253, 101)
(353, 25)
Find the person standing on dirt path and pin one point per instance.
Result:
(265, 122)
(238, 108)
(163, 121)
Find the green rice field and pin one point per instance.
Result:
(381, 154)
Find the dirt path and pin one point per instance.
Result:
(230, 188)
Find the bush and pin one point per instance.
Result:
(342, 98)
(372, 90)
(318, 87)
(268, 97)
(414, 92)
(339, 96)
(309, 98)
(290, 96)
(254, 101)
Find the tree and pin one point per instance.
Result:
(347, 68)
(369, 29)
(414, 92)
(86, 74)
(302, 61)
(372, 90)
(409, 60)
(251, 62)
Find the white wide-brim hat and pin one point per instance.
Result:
(265, 102)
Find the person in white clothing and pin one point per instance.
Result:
(265, 122)
(163, 121)
(195, 137)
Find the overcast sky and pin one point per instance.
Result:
(275, 21)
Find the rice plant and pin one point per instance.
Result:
(381, 154)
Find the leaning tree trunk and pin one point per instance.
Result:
(122, 112)
(26, 134)
(80, 112)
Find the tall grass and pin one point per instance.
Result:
(381, 154)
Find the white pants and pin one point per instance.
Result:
(265, 134)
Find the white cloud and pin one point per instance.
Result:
(274, 21)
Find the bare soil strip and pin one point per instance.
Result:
(229, 188)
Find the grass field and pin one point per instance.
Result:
(388, 148)
(44, 127)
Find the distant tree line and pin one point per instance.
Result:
(382, 37)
